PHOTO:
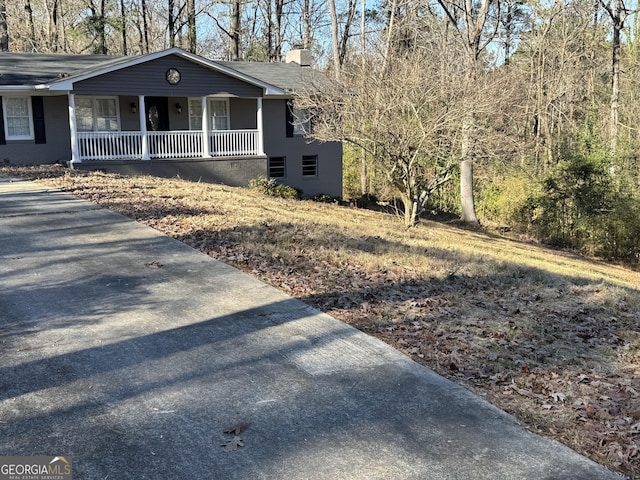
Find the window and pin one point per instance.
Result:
(219, 114)
(18, 118)
(310, 166)
(277, 167)
(301, 121)
(298, 120)
(195, 114)
(97, 114)
(218, 110)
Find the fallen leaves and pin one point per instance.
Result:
(232, 444)
(236, 441)
(560, 352)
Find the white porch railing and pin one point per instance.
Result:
(109, 145)
(174, 144)
(229, 143)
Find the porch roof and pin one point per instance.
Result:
(59, 72)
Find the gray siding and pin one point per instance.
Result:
(58, 146)
(243, 113)
(149, 79)
(129, 122)
(230, 171)
(276, 144)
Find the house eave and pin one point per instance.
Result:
(19, 88)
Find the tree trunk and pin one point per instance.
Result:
(364, 167)
(390, 26)
(306, 23)
(508, 25)
(334, 38)
(4, 31)
(123, 16)
(171, 20)
(618, 14)
(277, 47)
(98, 23)
(467, 202)
(269, 25)
(235, 30)
(52, 26)
(102, 36)
(145, 26)
(30, 26)
(191, 25)
(615, 86)
(345, 32)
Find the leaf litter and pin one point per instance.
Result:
(552, 338)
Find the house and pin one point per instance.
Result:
(170, 113)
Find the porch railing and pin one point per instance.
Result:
(174, 144)
(109, 145)
(177, 144)
(233, 142)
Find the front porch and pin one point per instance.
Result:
(167, 145)
(146, 128)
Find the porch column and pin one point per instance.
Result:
(260, 127)
(73, 129)
(205, 129)
(143, 128)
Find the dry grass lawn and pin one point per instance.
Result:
(548, 336)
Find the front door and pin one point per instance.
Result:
(157, 114)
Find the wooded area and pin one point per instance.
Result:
(521, 115)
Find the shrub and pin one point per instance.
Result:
(324, 198)
(271, 188)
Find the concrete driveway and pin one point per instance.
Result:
(131, 353)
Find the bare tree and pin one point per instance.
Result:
(233, 32)
(511, 22)
(618, 13)
(4, 31)
(306, 22)
(171, 22)
(334, 39)
(469, 19)
(145, 26)
(31, 35)
(399, 116)
(123, 26)
(236, 28)
(96, 23)
(192, 40)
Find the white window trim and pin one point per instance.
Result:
(211, 123)
(191, 115)
(94, 111)
(211, 117)
(8, 137)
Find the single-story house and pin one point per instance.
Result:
(170, 113)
